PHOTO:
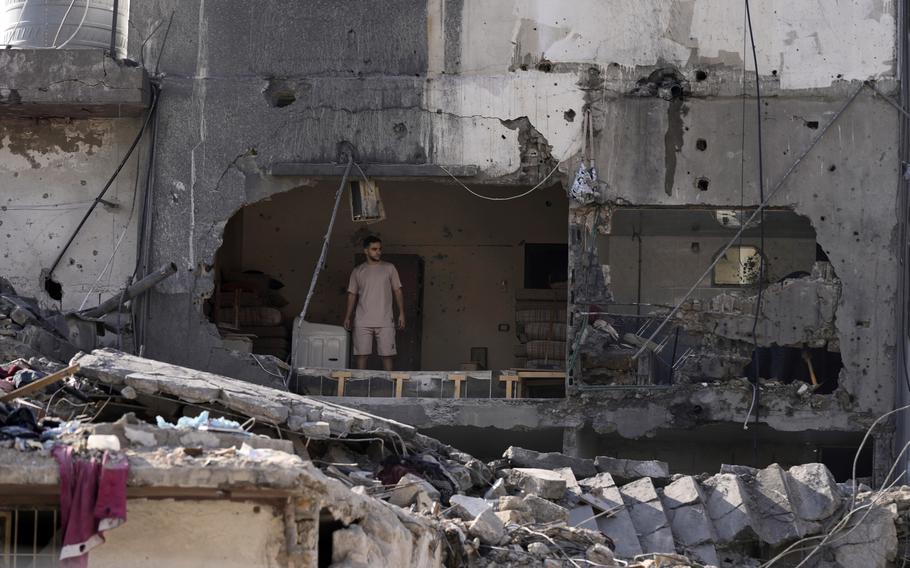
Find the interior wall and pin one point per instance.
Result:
(670, 265)
(472, 251)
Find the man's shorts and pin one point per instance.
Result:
(385, 341)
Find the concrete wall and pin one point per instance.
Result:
(194, 533)
(472, 251)
(52, 169)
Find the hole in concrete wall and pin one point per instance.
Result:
(544, 65)
(569, 115)
(279, 93)
(460, 259)
(53, 288)
(774, 72)
(812, 124)
(700, 75)
(797, 364)
(327, 527)
(702, 184)
(701, 144)
(832, 167)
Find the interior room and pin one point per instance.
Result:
(467, 265)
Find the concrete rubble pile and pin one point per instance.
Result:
(526, 509)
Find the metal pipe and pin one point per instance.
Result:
(114, 30)
(756, 213)
(131, 292)
(325, 241)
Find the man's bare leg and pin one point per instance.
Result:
(361, 361)
(388, 363)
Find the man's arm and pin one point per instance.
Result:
(399, 299)
(352, 301)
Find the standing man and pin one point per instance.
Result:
(370, 289)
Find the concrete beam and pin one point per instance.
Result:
(79, 83)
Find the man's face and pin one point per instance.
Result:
(374, 251)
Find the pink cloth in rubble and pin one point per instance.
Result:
(92, 500)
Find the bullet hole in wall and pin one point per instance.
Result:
(569, 115)
(700, 75)
(701, 144)
(812, 124)
(702, 184)
(832, 167)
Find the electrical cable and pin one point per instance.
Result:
(63, 21)
(520, 195)
(761, 227)
(107, 185)
(79, 27)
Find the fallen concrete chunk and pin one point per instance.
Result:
(514, 517)
(624, 470)
(648, 516)
(487, 527)
(411, 490)
(520, 457)
(725, 501)
(468, 508)
(816, 494)
(543, 511)
(542, 482)
(538, 549)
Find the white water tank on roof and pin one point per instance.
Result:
(319, 345)
(63, 24)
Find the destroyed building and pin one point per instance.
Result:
(729, 287)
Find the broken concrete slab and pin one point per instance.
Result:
(870, 540)
(520, 457)
(542, 482)
(498, 489)
(648, 516)
(771, 507)
(683, 503)
(412, 489)
(624, 470)
(725, 501)
(583, 517)
(603, 495)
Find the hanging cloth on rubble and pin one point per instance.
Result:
(92, 500)
(584, 187)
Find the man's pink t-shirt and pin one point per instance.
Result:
(373, 284)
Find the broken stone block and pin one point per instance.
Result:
(412, 489)
(683, 503)
(511, 503)
(624, 470)
(480, 474)
(21, 315)
(816, 494)
(520, 457)
(569, 476)
(725, 501)
(543, 511)
(497, 490)
(600, 554)
(468, 508)
(513, 517)
(648, 516)
(774, 519)
(460, 474)
(487, 527)
(542, 482)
